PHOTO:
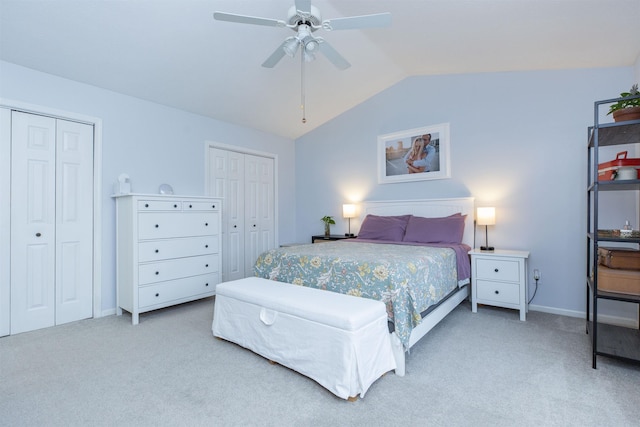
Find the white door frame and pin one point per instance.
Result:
(97, 191)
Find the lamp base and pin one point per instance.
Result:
(487, 248)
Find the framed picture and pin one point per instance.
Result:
(414, 154)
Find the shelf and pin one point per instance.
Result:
(621, 185)
(613, 341)
(615, 296)
(616, 341)
(607, 237)
(616, 133)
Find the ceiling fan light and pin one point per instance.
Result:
(311, 45)
(309, 56)
(290, 47)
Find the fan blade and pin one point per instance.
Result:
(244, 19)
(333, 55)
(303, 5)
(276, 56)
(357, 22)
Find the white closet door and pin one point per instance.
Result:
(234, 207)
(259, 208)
(32, 222)
(226, 169)
(5, 215)
(74, 221)
(51, 222)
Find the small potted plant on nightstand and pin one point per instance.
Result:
(328, 220)
(628, 108)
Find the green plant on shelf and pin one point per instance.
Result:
(626, 103)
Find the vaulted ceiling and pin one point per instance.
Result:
(173, 52)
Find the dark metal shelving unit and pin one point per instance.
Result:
(608, 340)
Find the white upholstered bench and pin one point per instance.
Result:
(340, 341)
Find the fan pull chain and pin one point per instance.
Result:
(302, 87)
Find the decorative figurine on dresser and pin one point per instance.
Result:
(168, 250)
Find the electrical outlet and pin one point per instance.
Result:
(536, 274)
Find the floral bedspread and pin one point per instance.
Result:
(408, 279)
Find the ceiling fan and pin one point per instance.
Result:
(304, 19)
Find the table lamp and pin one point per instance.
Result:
(486, 217)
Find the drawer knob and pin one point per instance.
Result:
(496, 270)
(235, 226)
(206, 224)
(206, 284)
(157, 294)
(146, 205)
(213, 206)
(175, 206)
(254, 226)
(38, 234)
(190, 206)
(206, 246)
(157, 273)
(157, 251)
(157, 226)
(206, 265)
(497, 292)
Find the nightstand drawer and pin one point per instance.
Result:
(508, 293)
(498, 269)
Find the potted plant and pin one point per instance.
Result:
(328, 220)
(628, 107)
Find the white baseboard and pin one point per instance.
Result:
(612, 320)
(109, 312)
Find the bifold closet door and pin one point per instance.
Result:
(259, 208)
(51, 221)
(246, 183)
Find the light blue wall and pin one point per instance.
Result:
(154, 144)
(518, 142)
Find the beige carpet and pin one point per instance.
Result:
(484, 369)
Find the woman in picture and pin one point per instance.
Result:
(416, 154)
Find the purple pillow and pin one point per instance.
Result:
(384, 227)
(435, 230)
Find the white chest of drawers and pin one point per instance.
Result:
(168, 250)
(499, 278)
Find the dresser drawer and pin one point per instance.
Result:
(498, 269)
(177, 268)
(166, 224)
(159, 205)
(498, 292)
(189, 205)
(155, 250)
(173, 290)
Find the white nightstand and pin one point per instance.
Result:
(499, 278)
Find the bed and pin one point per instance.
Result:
(410, 254)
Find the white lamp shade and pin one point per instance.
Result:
(349, 211)
(486, 216)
